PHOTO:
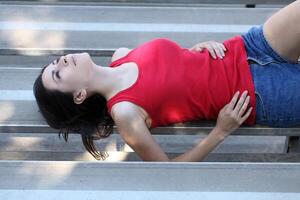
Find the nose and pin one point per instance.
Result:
(63, 61)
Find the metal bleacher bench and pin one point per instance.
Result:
(33, 33)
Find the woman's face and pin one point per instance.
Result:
(68, 73)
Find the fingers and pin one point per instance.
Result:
(215, 49)
(240, 103)
(246, 115)
(233, 101)
(231, 116)
(218, 49)
(211, 51)
(244, 106)
(239, 106)
(223, 47)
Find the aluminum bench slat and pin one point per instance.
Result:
(169, 143)
(150, 176)
(60, 27)
(183, 129)
(136, 195)
(153, 2)
(118, 156)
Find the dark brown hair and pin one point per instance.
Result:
(90, 118)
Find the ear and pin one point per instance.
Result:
(79, 96)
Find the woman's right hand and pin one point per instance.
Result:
(215, 48)
(231, 116)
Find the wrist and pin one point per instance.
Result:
(219, 133)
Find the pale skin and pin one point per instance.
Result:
(83, 78)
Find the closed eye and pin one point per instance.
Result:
(57, 74)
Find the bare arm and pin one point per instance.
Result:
(132, 128)
(204, 147)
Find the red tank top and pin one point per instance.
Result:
(176, 85)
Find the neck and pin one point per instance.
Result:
(105, 80)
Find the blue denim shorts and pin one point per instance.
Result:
(276, 82)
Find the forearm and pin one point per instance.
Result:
(230, 117)
(204, 147)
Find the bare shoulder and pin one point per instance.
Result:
(129, 121)
(132, 128)
(119, 53)
(126, 111)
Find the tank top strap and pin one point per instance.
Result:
(116, 62)
(121, 60)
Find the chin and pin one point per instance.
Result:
(83, 59)
(87, 57)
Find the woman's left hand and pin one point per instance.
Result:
(233, 114)
(214, 48)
